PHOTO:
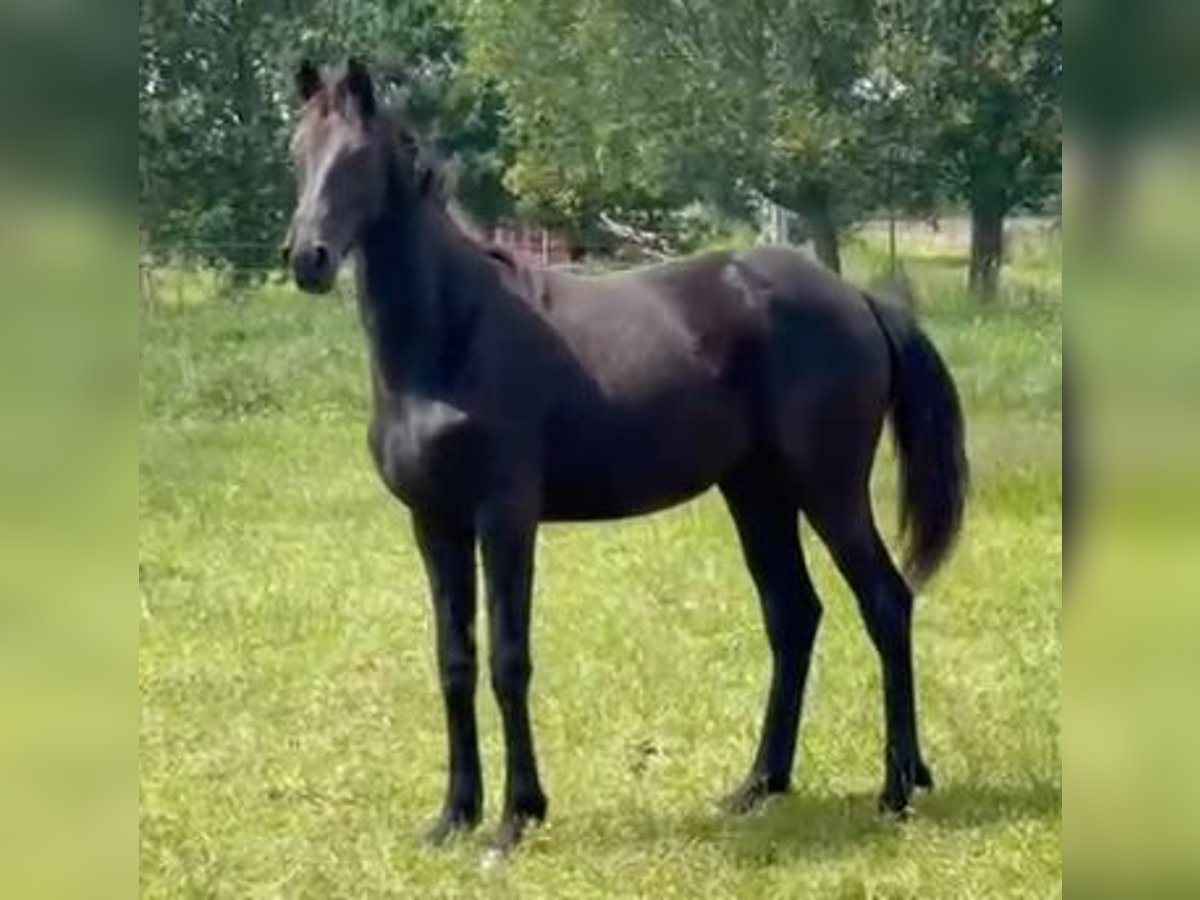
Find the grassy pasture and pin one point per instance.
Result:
(291, 739)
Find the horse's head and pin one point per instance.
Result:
(349, 163)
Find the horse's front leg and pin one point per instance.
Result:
(448, 551)
(507, 534)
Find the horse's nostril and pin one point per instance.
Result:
(314, 267)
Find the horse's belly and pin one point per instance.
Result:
(599, 497)
(625, 462)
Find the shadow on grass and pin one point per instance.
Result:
(814, 827)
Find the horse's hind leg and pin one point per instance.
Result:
(767, 523)
(885, 601)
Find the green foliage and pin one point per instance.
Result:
(835, 109)
(211, 112)
(586, 139)
(615, 103)
(290, 730)
(216, 100)
(986, 84)
(1000, 132)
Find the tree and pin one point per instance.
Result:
(990, 77)
(216, 104)
(585, 141)
(209, 120)
(620, 102)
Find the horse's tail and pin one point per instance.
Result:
(927, 426)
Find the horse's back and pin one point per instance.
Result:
(686, 368)
(652, 413)
(764, 312)
(651, 328)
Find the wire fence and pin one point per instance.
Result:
(182, 277)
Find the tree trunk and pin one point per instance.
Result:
(825, 237)
(812, 202)
(987, 252)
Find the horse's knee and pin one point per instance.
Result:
(511, 674)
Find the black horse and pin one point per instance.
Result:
(506, 396)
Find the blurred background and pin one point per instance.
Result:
(919, 138)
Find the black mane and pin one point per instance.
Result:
(436, 179)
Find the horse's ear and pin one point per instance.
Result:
(308, 79)
(359, 86)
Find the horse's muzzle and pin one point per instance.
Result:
(314, 268)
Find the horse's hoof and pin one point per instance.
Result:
(751, 796)
(890, 809)
(508, 835)
(448, 825)
(904, 775)
(922, 777)
(893, 800)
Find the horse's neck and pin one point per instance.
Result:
(409, 300)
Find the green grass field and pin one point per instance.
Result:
(291, 739)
